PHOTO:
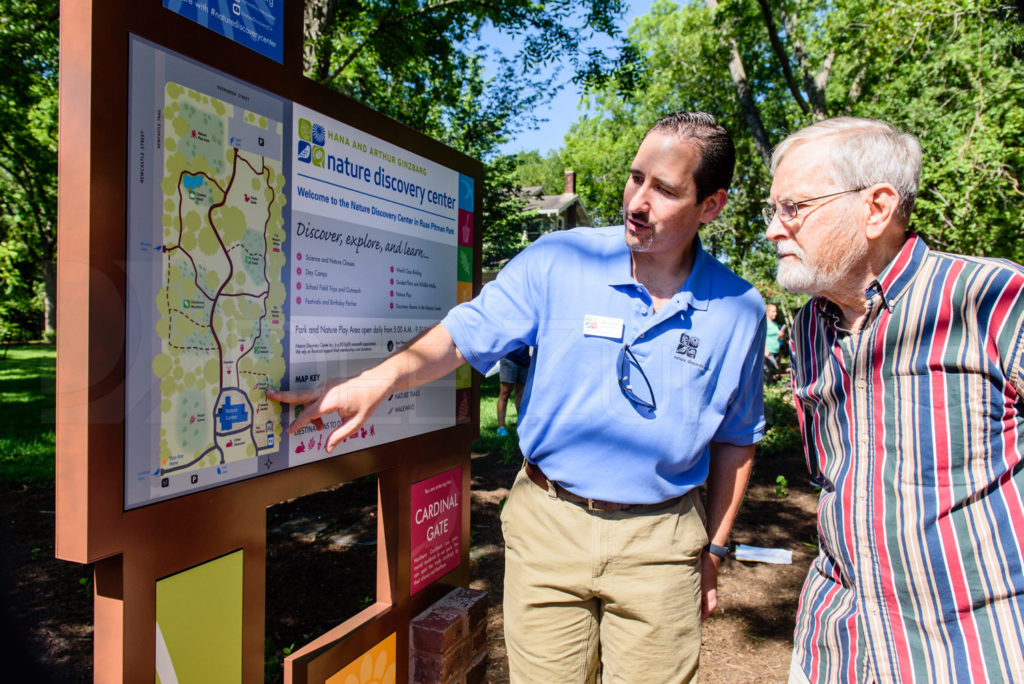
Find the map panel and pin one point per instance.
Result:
(270, 246)
(221, 324)
(207, 313)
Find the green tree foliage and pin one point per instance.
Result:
(21, 306)
(503, 216)
(414, 61)
(958, 83)
(950, 71)
(28, 164)
(533, 170)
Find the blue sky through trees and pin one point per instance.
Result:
(561, 113)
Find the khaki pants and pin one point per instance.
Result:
(583, 586)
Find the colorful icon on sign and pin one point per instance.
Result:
(305, 130)
(319, 136)
(305, 151)
(318, 157)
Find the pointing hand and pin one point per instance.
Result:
(354, 401)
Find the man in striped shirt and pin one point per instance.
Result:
(908, 373)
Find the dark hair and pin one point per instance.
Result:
(717, 152)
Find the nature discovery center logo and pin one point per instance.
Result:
(311, 143)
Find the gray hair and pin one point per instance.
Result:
(864, 152)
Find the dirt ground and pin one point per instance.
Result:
(46, 606)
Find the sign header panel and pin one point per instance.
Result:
(256, 24)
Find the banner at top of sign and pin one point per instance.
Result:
(343, 172)
(256, 24)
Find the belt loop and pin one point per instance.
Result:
(590, 505)
(552, 492)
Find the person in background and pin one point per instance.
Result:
(646, 385)
(908, 371)
(772, 342)
(512, 372)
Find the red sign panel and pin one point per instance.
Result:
(436, 528)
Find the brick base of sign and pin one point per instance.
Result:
(448, 641)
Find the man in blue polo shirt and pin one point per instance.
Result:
(646, 385)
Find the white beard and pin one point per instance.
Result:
(829, 268)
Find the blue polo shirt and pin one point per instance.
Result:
(572, 297)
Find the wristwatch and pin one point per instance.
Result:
(716, 550)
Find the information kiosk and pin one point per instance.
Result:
(227, 226)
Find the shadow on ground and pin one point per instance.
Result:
(328, 539)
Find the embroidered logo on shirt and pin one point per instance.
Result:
(687, 349)
(688, 345)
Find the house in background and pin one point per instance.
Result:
(546, 213)
(553, 212)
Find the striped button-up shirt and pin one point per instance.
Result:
(914, 427)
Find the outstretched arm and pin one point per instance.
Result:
(727, 480)
(429, 356)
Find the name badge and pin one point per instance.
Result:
(602, 326)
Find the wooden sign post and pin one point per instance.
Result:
(227, 226)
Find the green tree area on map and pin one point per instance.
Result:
(221, 324)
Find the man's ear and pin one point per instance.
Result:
(712, 205)
(883, 200)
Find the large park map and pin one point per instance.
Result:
(221, 322)
(269, 246)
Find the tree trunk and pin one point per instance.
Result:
(746, 96)
(782, 56)
(814, 85)
(49, 269)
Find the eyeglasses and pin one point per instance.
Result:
(788, 209)
(627, 361)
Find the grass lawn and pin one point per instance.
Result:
(489, 440)
(27, 384)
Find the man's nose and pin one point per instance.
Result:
(776, 229)
(638, 203)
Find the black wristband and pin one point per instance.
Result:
(716, 550)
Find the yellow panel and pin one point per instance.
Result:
(376, 666)
(464, 291)
(463, 376)
(199, 623)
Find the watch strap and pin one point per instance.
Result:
(716, 550)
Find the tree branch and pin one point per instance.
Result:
(814, 86)
(853, 95)
(746, 97)
(817, 93)
(780, 54)
(385, 24)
